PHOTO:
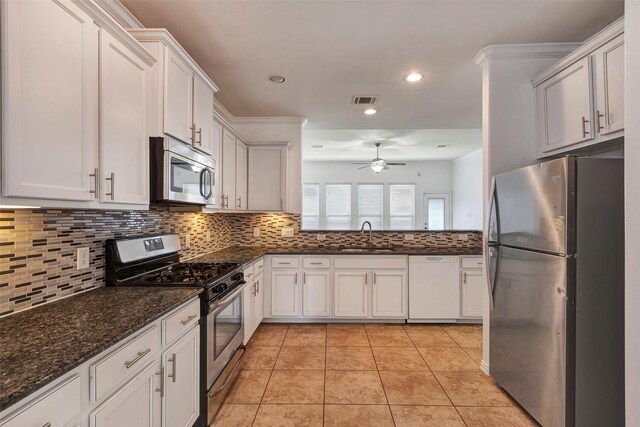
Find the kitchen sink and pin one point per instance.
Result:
(366, 250)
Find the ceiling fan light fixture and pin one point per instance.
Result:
(377, 167)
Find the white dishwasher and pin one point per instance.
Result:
(434, 288)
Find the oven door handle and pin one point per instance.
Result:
(217, 304)
(220, 389)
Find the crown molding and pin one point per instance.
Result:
(291, 120)
(120, 13)
(524, 51)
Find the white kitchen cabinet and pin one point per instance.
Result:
(124, 160)
(609, 78)
(216, 155)
(258, 301)
(389, 293)
(351, 290)
(253, 299)
(268, 177)
(228, 170)
(316, 293)
(203, 123)
(132, 405)
(284, 293)
(473, 288)
(241, 176)
(434, 288)
(181, 400)
(178, 92)
(50, 100)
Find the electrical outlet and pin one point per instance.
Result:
(287, 231)
(463, 237)
(256, 231)
(408, 237)
(83, 258)
(208, 235)
(187, 241)
(321, 236)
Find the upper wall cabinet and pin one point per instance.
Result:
(580, 100)
(181, 100)
(268, 177)
(74, 112)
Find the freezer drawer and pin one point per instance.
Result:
(434, 288)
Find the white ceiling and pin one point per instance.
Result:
(396, 144)
(331, 50)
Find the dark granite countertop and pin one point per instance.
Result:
(247, 254)
(42, 344)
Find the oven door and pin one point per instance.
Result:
(187, 180)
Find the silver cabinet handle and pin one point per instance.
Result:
(304, 278)
(161, 389)
(112, 178)
(464, 277)
(47, 425)
(189, 319)
(599, 115)
(366, 278)
(375, 279)
(253, 290)
(585, 131)
(284, 263)
(315, 263)
(225, 200)
(239, 205)
(296, 279)
(199, 133)
(173, 361)
(249, 275)
(257, 286)
(140, 355)
(96, 178)
(193, 134)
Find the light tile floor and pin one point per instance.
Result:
(367, 375)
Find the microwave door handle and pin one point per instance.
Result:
(212, 182)
(202, 182)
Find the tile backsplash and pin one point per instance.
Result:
(38, 247)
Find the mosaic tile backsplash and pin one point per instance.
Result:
(38, 247)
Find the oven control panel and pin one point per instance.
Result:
(154, 244)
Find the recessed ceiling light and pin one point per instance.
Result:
(277, 79)
(413, 77)
(370, 111)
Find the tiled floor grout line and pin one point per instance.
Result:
(384, 390)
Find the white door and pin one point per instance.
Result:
(267, 178)
(258, 302)
(351, 293)
(316, 294)
(389, 293)
(564, 105)
(181, 402)
(50, 111)
(436, 211)
(228, 170)
(178, 90)
(124, 144)
(241, 176)
(609, 69)
(284, 293)
(434, 287)
(473, 288)
(133, 404)
(203, 116)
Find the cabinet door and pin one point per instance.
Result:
(350, 294)
(473, 287)
(228, 170)
(258, 303)
(564, 108)
(203, 116)
(181, 362)
(267, 178)
(50, 111)
(609, 77)
(247, 310)
(178, 90)
(216, 155)
(132, 405)
(124, 144)
(284, 293)
(389, 293)
(241, 177)
(316, 294)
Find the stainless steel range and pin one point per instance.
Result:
(154, 261)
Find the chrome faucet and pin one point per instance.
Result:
(370, 235)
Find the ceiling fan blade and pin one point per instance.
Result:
(360, 163)
(364, 167)
(396, 163)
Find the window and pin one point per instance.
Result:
(370, 205)
(338, 200)
(402, 201)
(310, 206)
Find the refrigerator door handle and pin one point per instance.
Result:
(489, 246)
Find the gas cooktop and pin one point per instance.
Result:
(194, 274)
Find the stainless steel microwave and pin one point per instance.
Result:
(180, 174)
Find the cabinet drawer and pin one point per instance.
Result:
(316, 262)
(249, 273)
(370, 262)
(258, 267)
(284, 262)
(471, 262)
(123, 362)
(181, 321)
(56, 408)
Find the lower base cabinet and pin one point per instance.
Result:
(389, 293)
(350, 294)
(473, 288)
(284, 293)
(180, 393)
(316, 294)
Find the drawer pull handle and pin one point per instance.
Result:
(47, 425)
(284, 263)
(140, 355)
(173, 361)
(316, 263)
(189, 319)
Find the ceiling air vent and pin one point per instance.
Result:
(442, 146)
(364, 99)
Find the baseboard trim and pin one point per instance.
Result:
(485, 367)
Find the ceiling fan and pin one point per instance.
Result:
(378, 164)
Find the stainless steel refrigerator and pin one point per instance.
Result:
(555, 257)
